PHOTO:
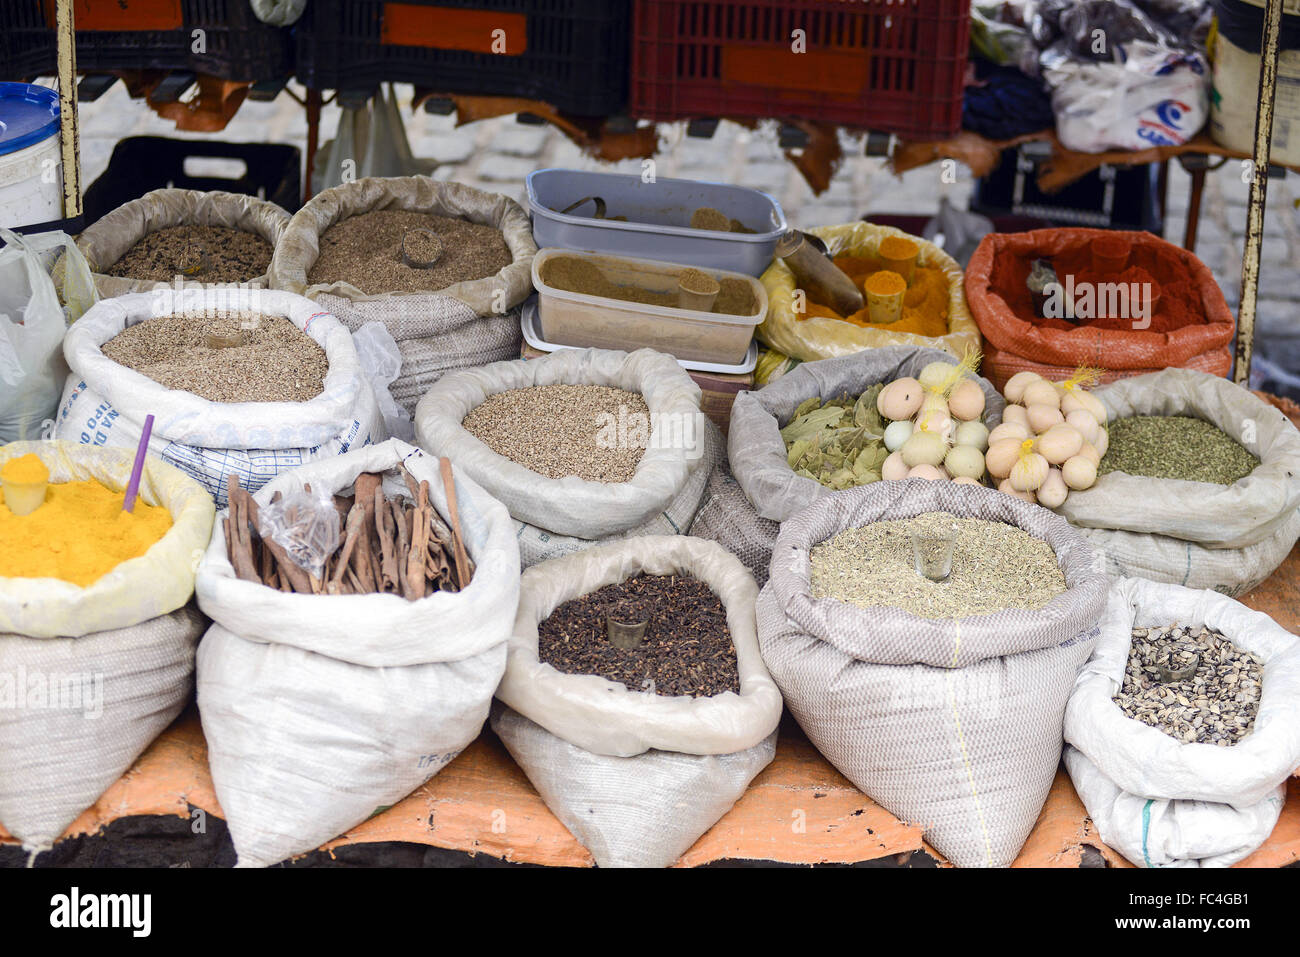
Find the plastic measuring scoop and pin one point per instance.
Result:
(133, 486)
(23, 496)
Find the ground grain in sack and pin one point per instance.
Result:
(1216, 705)
(556, 430)
(201, 253)
(366, 251)
(687, 648)
(277, 362)
(1175, 447)
(995, 566)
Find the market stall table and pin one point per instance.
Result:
(799, 810)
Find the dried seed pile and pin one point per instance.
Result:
(1175, 447)
(559, 430)
(994, 567)
(276, 363)
(201, 253)
(398, 546)
(366, 251)
(1216, 705)
(687, 648)
(574, 274)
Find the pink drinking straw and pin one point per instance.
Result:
(133, 486)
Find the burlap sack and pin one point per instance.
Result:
(106, 241)
(557, 516)
(636, 777)
(1014, 342)
(90, 676)
(1162, 802)
(954, 724)
(466, 324)
(756, 450)
(318, 709)
(727, 517)
(1227, 538)
(819, 338)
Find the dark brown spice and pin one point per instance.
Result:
(201, 253)
(687, 648)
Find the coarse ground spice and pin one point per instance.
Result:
(366, 251)
(202, 253)
(925, 303)
(995, 566)
(687, 648)
(573, 274)
(1217, 704)
(1175, 447)
(694, 280)
(276, 363)
(559, 430)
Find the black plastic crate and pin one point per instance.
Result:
(1111, 197)
(147, 35)
(572, 54)
(141, 164)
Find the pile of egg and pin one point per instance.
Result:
(1050, 442)
(935, 430)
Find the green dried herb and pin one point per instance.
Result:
(837, 442)
(1176, 447)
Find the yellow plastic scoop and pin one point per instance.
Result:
(24, 480)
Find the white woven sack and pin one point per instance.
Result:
(90, 676)
(1161, 801)
(467, 324)
(636, 777)
(106, 404)
(108, 239)
(726, 516)
(319, 709)
(572, 506)
(1215, 516)
(756, 450)
(952, 724)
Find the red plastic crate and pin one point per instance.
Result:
(892, 66)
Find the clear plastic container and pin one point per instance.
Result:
(577, 319)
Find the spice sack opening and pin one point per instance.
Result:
(89, 676)
(636, 776)
(1162, 801)
(317, 709)
(807, 337)
(106, 403)
(953, 722)
(676, 448)
(756, 450)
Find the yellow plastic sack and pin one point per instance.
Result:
(157, 583)
(818, 338)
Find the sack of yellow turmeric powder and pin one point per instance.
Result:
(91, 673)
(805, 331)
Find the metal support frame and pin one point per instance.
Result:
(1268, 57)
(69, 138)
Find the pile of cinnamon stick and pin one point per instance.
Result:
(399, 546)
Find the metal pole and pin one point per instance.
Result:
(1268, 55)
(65, 28)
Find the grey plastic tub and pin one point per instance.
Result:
(658, 215)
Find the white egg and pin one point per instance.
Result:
(896, 433)
(1014, 390)
(963, 460)
(1053, 492)
(974, 434)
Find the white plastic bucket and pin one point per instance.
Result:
(31, 164)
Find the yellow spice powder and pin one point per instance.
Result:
(79, 535)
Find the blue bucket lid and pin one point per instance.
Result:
(28, 114)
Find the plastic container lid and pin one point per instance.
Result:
(28, 115)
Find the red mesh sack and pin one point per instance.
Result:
(1191, 325)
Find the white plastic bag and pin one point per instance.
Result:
(572, 506)
(1160, 801)
(106, 404)
(90, 676)
(636, 777)
(381, 363)
(319, 709)
(32, 326)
